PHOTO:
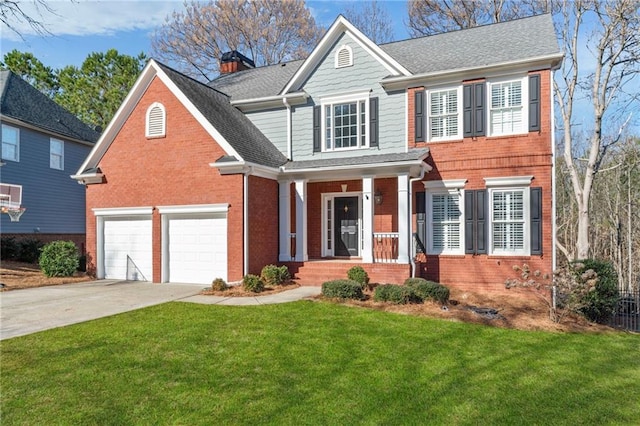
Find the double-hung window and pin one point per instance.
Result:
(346, 122)
(10, 143)
(445, 233)
(56, 154)
(509, 208)
(507, 107)
(444, 114)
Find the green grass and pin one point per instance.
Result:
(313, 363)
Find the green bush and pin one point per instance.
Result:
(359, 275)
(30, 249)
(253, 283)
(428, 290)
(398, 294)
(274, 275)
(343, 289)
(82, 263)
(59, 259)
(600, 302)
(219, 285)
(9, 248)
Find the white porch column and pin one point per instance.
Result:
(367, 219)
(403, 218)
(284, 221)
(301, 221)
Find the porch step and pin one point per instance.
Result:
(314, 273)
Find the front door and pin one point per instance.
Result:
(346, 229)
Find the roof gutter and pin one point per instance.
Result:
(419, 162)
(297, 98)
(88, 178)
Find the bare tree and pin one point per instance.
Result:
(614, 44)
(13, 15)
(266, 31)
(427, 17)
(372, 19)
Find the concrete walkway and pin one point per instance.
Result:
(31, 310)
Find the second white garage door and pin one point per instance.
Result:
(197, 248)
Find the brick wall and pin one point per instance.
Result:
(263, 223)
(170, 170)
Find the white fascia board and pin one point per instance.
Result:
(339, 26)
(403, 82)
(242, 167)
(120, 117)
(194, 208)
(254, 104)
(88, 178)
(123, 211)
(359, 167)
(445, 184)
(16, 122)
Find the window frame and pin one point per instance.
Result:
(501, 185)
(451, 188)
(16, 145)
(459, 128)
(163, 133)
(360, 99)
(524, 105)
(52, 142)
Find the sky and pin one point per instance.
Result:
(82, 27)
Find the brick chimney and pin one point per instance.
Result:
(234, 61)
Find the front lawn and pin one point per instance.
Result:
(313, 363)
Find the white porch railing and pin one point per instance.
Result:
(385, 247)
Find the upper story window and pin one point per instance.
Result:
(346, 122)
(155, 120)
(10, 143)
(56, 154)
(344, 57)
(507, 107)
(444, 114)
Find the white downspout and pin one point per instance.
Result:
(245, 221)
(553, 179)
(289, 135)
(411, 254)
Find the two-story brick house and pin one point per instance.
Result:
(430, 157)
(42, 145)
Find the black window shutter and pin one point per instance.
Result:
(534, 103)
(536, 220)
(469, 220)
(421, 220)
(316, 129)
(467, 110)
(419, 117)
(373, 122)
(478, 109)
(481, 222)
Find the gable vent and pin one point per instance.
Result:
(155, 120)
(344, 57)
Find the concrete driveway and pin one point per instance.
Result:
(31, 310)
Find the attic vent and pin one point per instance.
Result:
(156, 120)
(344, 57)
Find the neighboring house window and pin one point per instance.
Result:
(507, 114)
(56, 154)
(445, 218)
(10, 143)
(344, 57)
(346, 122)
(156, 121)
(444, 114)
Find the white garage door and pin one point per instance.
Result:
(127, 248)
(197, 248)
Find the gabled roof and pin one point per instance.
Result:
(511, 42)
(231, 129)
(22, 102)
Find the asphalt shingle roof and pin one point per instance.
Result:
(232, 124)
(410, 155)
(520, 39)
(21, 101)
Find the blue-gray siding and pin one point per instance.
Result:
(55, 203)
(273, 124)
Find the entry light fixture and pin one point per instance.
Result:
(377, 197)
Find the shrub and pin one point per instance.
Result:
(412, 282)
(428, 290)
(82, 263)
(600, 302)
(398, 294)
(342, 289)
(253, 283)
(275, 275)
(359, 275)
(9, 248)
(59, 259)
(219, 285)
(30, 249)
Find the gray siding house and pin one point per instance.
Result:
(42, 145)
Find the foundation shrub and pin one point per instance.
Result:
(342, 289)
(600, 302)
(428, 290)
(273, 275)
(397, 294)
(30, 249)
(253, 283)
(219, 285)
(59, 259)
(359, 275)
(9, 248)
